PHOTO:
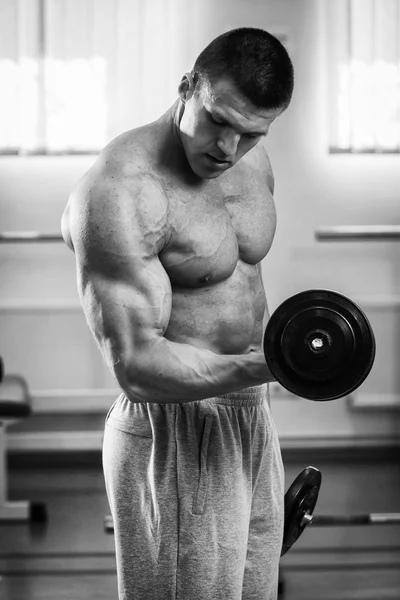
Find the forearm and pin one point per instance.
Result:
(171, 372)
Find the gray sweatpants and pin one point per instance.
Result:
(196, 493)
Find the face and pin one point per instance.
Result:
(219, 126)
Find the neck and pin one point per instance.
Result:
(174, 116)
(177, 110)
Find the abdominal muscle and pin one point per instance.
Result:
(227, 317)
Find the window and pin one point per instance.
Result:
(76, 73)
(364, 75)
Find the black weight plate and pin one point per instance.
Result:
(319, 345)
(336, 338)
(296, 526)
(300, 499)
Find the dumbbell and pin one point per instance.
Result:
(319, 345)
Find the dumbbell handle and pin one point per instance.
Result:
(367, 519)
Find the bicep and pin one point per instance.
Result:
(125, 316)
(124, 289)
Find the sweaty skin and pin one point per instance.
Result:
(169, 228)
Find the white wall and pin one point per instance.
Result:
(44, 334)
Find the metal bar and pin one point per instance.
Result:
(31, 237)
(348, 233)
(367, 519)
(322, 520)
(384, 518)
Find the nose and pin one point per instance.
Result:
(228, 142)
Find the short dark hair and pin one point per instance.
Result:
(254, 61)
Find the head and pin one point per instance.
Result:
(239, 84)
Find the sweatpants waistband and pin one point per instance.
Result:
(251, 396)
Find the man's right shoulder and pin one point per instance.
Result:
(120, 191)
(123, 171)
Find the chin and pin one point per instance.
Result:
(203, 174)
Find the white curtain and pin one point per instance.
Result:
(363, 52)
(76, 73)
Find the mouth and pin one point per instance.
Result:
(217, 161)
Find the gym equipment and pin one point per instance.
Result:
(358, 233)
(9, 237)
(319, 345)
(344, 520)
(15, 405)
(108, 524)
(300, 500)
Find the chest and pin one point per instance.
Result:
(213, 228)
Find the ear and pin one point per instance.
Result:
(186, 87)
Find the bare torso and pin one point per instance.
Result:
(219, 231)
(219, 236)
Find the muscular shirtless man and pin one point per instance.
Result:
(169, 228)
